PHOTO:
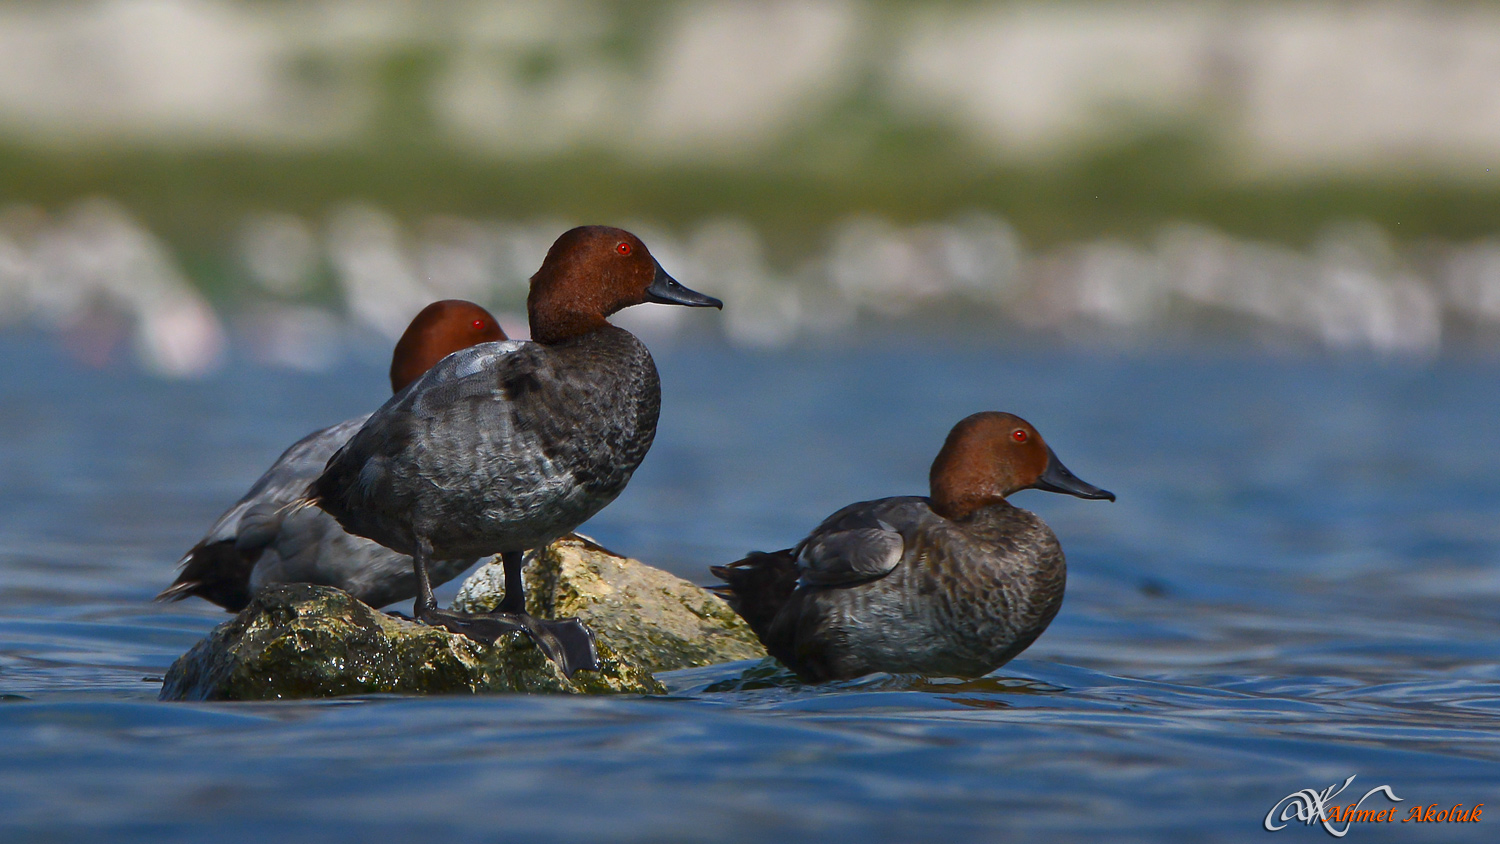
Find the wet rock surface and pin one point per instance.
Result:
(305, 641)
(650, 617)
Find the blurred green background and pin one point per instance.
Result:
(1072, 124)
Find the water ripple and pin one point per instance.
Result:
(1293, 588)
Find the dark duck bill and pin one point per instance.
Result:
(665, 290)
(1057, 478)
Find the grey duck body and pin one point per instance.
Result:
(890, 585)
(501, 447)
(263, 539)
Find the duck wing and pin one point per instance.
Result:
(472, 424)
(218, 567)
(860, 543)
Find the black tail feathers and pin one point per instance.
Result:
(215, 572)
(758, 586)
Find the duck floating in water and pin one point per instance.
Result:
(505, 447)
(263, 540)
(955, 584)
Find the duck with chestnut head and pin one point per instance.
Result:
(953, 584)
(261, 540)
(505, 447)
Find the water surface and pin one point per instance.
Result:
(1300, 582)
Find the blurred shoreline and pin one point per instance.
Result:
(1287, 89)
(178, 177)
(102, 282)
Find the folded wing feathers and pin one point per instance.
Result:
(850, 556)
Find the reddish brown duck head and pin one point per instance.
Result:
(991, 455)
(592, 272)
(441, 329)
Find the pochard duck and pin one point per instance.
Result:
(262, 540)
(954, 584)
(504, 447)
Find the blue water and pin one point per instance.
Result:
(1300, 582)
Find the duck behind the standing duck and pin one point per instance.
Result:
(262, 540)
(507, 446)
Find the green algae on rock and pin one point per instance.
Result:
(306, 641)
(652, 618)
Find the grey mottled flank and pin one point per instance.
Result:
(963, 599)
(649, 616)
(304, 641)
(500, 447)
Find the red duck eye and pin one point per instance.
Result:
(1018, 435)
(623, 249)
(479, 324)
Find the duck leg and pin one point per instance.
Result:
(515, 586)
(572, 649)
(570, 638)
(424, 609)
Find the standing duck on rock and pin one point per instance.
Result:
(955, 584)
(263, 540)
(505, 447)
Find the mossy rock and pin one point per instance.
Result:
(305, 641)
(655, 619)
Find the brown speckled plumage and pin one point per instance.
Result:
(897, 585)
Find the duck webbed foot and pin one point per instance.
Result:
(566, 641)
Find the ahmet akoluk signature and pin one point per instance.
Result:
(1311, 807)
